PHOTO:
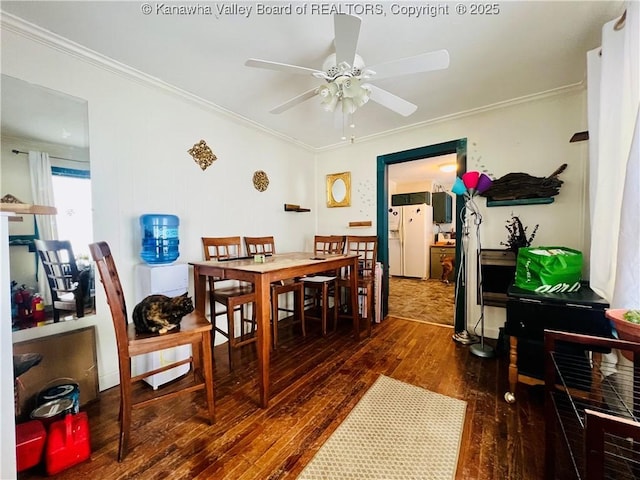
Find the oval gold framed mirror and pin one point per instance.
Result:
(339, 189)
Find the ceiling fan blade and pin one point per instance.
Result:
(295, 101)
(392, 102)
(347, 31)
(280, 67)
(425, 62)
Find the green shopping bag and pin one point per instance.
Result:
(549, 269)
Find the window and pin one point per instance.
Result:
(72, 191)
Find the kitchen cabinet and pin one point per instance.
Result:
(442, 206)
(415, 198)
(438, 252)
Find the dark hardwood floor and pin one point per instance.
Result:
(315, 383)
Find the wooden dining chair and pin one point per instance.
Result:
(366, 247)
(232, 296)
(195, 330)
(267, 246)
(68, 286)
(319, 288)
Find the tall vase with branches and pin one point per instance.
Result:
(517, 237)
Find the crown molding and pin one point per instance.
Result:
(567, 89)
(54, 41)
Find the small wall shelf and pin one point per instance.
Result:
(366, 223)
(289, 207)
(25, 208)
(519, 201)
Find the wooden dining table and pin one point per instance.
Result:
(261, 274)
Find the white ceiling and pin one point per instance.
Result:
(423, 170)
(526, 49)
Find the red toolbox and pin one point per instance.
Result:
(30, 438)
(68, 443)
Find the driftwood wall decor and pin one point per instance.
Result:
(515, 186)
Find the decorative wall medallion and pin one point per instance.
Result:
(202, 154)
(260, 180)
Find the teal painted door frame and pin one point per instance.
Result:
(459, 147)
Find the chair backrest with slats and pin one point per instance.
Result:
(257, 245)
(59, 264)
(366, 247)
(221, 248)
(328, 244)
(110, 279)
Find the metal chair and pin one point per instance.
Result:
(232, 296)
(195, 330)
(266, 246)
(69, 287)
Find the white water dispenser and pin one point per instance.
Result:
(170, 280)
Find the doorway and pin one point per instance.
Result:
(419, 242)
(457, 147)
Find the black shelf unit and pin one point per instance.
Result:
(529, 314)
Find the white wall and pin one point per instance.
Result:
(531, 137)
(409, 187)
(139, 136)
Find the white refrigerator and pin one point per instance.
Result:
(410, 236)
(170, 280)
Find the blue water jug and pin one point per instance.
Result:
(160, 242)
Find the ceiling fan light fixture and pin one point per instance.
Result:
(329, 95)
(348, 106)
(345, 74)
(356, 90)
(349, 91)
(447, 167)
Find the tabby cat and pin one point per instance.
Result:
(159, 313)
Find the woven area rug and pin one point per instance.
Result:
(396, 431)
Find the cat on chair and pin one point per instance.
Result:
(160, 314)
(447, 268)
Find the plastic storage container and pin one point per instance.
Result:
(160, 242)
(30, 438)
(68, 443)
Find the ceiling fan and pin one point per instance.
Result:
(347, 78)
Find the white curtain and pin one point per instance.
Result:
(42, 193)
(614, 189)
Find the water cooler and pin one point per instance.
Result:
(170, 280)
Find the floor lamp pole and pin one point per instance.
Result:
(464, 336)
(480, 349)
